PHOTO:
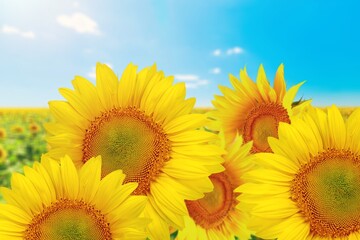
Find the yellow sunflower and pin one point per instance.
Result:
(3, 154)
(2, 133)
(254, 110)
(309, 188)
(55, 201)
(219, 214)
(34, 128)
(17, 129)
(143, 125)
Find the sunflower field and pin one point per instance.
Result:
(131, 158)
(22, 140)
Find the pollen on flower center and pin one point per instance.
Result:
(327, 190)
(128, 139)
(69, 219)
(263, 122)
(210, 211)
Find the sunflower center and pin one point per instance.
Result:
(128, 139)
(263, 122)
(327, 190)
(210, 211)
(68, 220)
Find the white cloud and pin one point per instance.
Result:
(217, 52)
(196, 84)
(215, 70)
(79, 22)
(92, 74)
(234, 50)
(6, 29)
(191, 80)
(230, 51)
(186, 77)
(10, 30)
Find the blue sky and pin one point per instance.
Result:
(44, 44)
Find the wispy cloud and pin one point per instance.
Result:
(6, 29)
(79, 22)
(191, 80)
(230, 51)
(201, 82)
(92, 73)
(186, 77)
(234, 51)
(216, 52)
(215, 70)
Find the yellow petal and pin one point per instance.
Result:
(290, 96)
(192, 137)
(158, 228)
(131, 208)
(22, 185)
(106, 85)
(279, 83)
(127, 86)
(88, 93)
(89, 178)
(279, 162)
(77, 103)
(64, 113)
(277, 208)
(40, 185)
(69, 178)
(14, 214)
(185, 122)
(336, 127)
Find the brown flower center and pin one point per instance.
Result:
(263, 122)
(213, 208)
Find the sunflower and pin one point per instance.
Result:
(34, 128)
(219, 214)
(309, 188)
(3, 154)
(143, 125)
(17, 129)
(2, 133)
(254, 110)
(55, 201)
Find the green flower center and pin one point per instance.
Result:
(69, 220)
(327, 190)
(127, 139)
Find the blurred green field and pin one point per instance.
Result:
(22, 138)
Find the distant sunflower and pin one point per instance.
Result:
(254, 110)
(3, 154)
(34, 128)
(142, 125)
(17, 129)
(219, 215)
(309, 188)
(53, 202)
(2, 133)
